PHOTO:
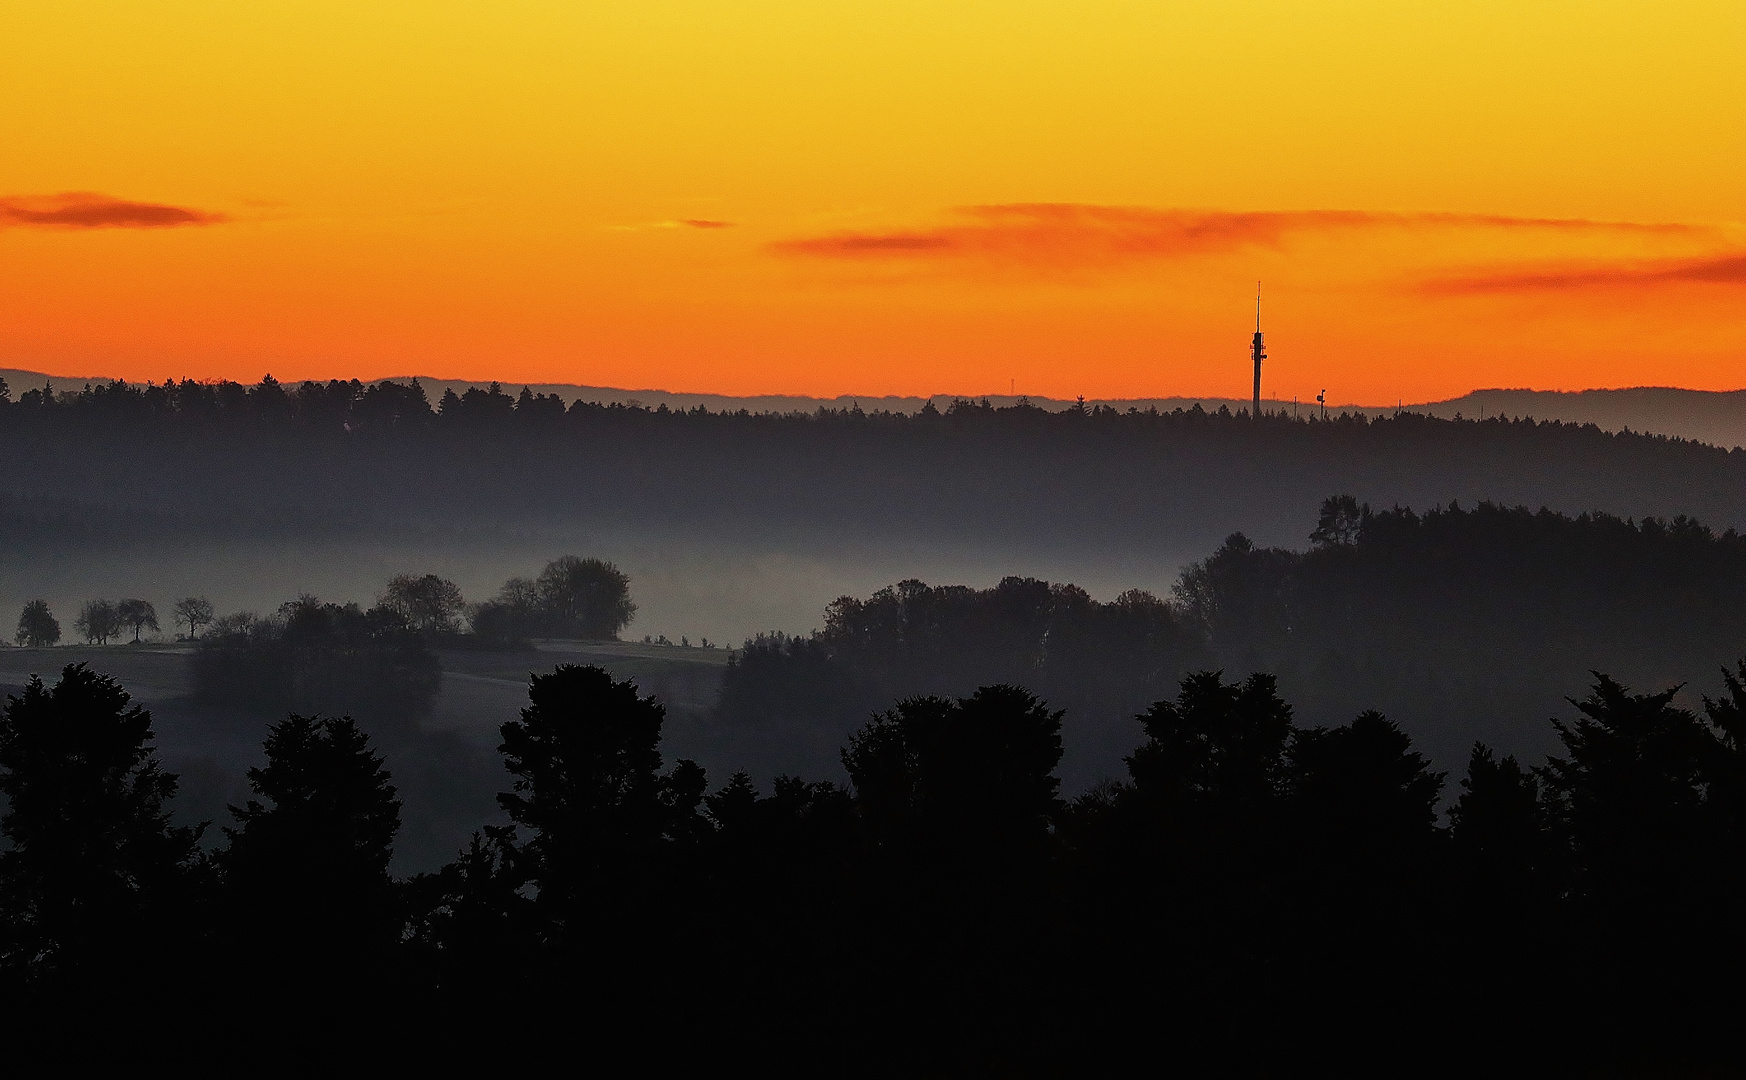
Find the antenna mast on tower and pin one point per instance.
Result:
(1258, 353)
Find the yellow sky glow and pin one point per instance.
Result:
(891, 197)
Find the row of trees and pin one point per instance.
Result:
(571, 597)
(356, 407)
(312, 656)
(1465, 622)
(1250, 887)
(1103, 662)
(100, 621)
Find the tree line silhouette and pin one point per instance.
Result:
(572, 597)
(369, 411)
(355, 407)
(798, 697)
(1249, 887)
(1466, 623)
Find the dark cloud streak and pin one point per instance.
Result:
(91, 210)
(1714, 270)
(1082, 234)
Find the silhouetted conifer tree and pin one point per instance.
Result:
(472, 924)
(1217, 750)
(1629, 792)
(972, 777)
(1725, 773)
(307, 866)
(94, 871)
(1362, 789)
(590, 793)
(1499, 824)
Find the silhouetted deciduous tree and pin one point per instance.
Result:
(138, 614)
(94, 870)
(427, 602)
(193, 612)
(512, 615)
(37, 626)
(98, 621)
(1341, 522)
(316, 657)
(585, 598)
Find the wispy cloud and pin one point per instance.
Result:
(91, 210)
(675, 223)
(1717, 270)
(1080, 234)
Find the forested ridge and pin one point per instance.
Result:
(273, 456)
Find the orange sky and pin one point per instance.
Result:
(884, 197)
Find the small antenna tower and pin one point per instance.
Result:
(1257, 353)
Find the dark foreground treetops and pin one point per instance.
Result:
(1253, 893)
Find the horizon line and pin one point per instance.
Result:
(874, 397)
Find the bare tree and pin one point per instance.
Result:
(193, 612)
(426, 602)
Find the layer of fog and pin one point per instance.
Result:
(725, 592)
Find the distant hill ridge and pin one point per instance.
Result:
(1717, 417)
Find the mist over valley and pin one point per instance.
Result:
(731, 525)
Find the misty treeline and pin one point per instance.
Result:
(379, 663)
(1464, 622)
(791, 700)
(115, 463)
(316, 656)
(572, 597)
(1251, 891)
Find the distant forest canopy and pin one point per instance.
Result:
(219, 459)
(1712, 416)
(1462, 624)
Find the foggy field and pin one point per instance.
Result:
(725, 591)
